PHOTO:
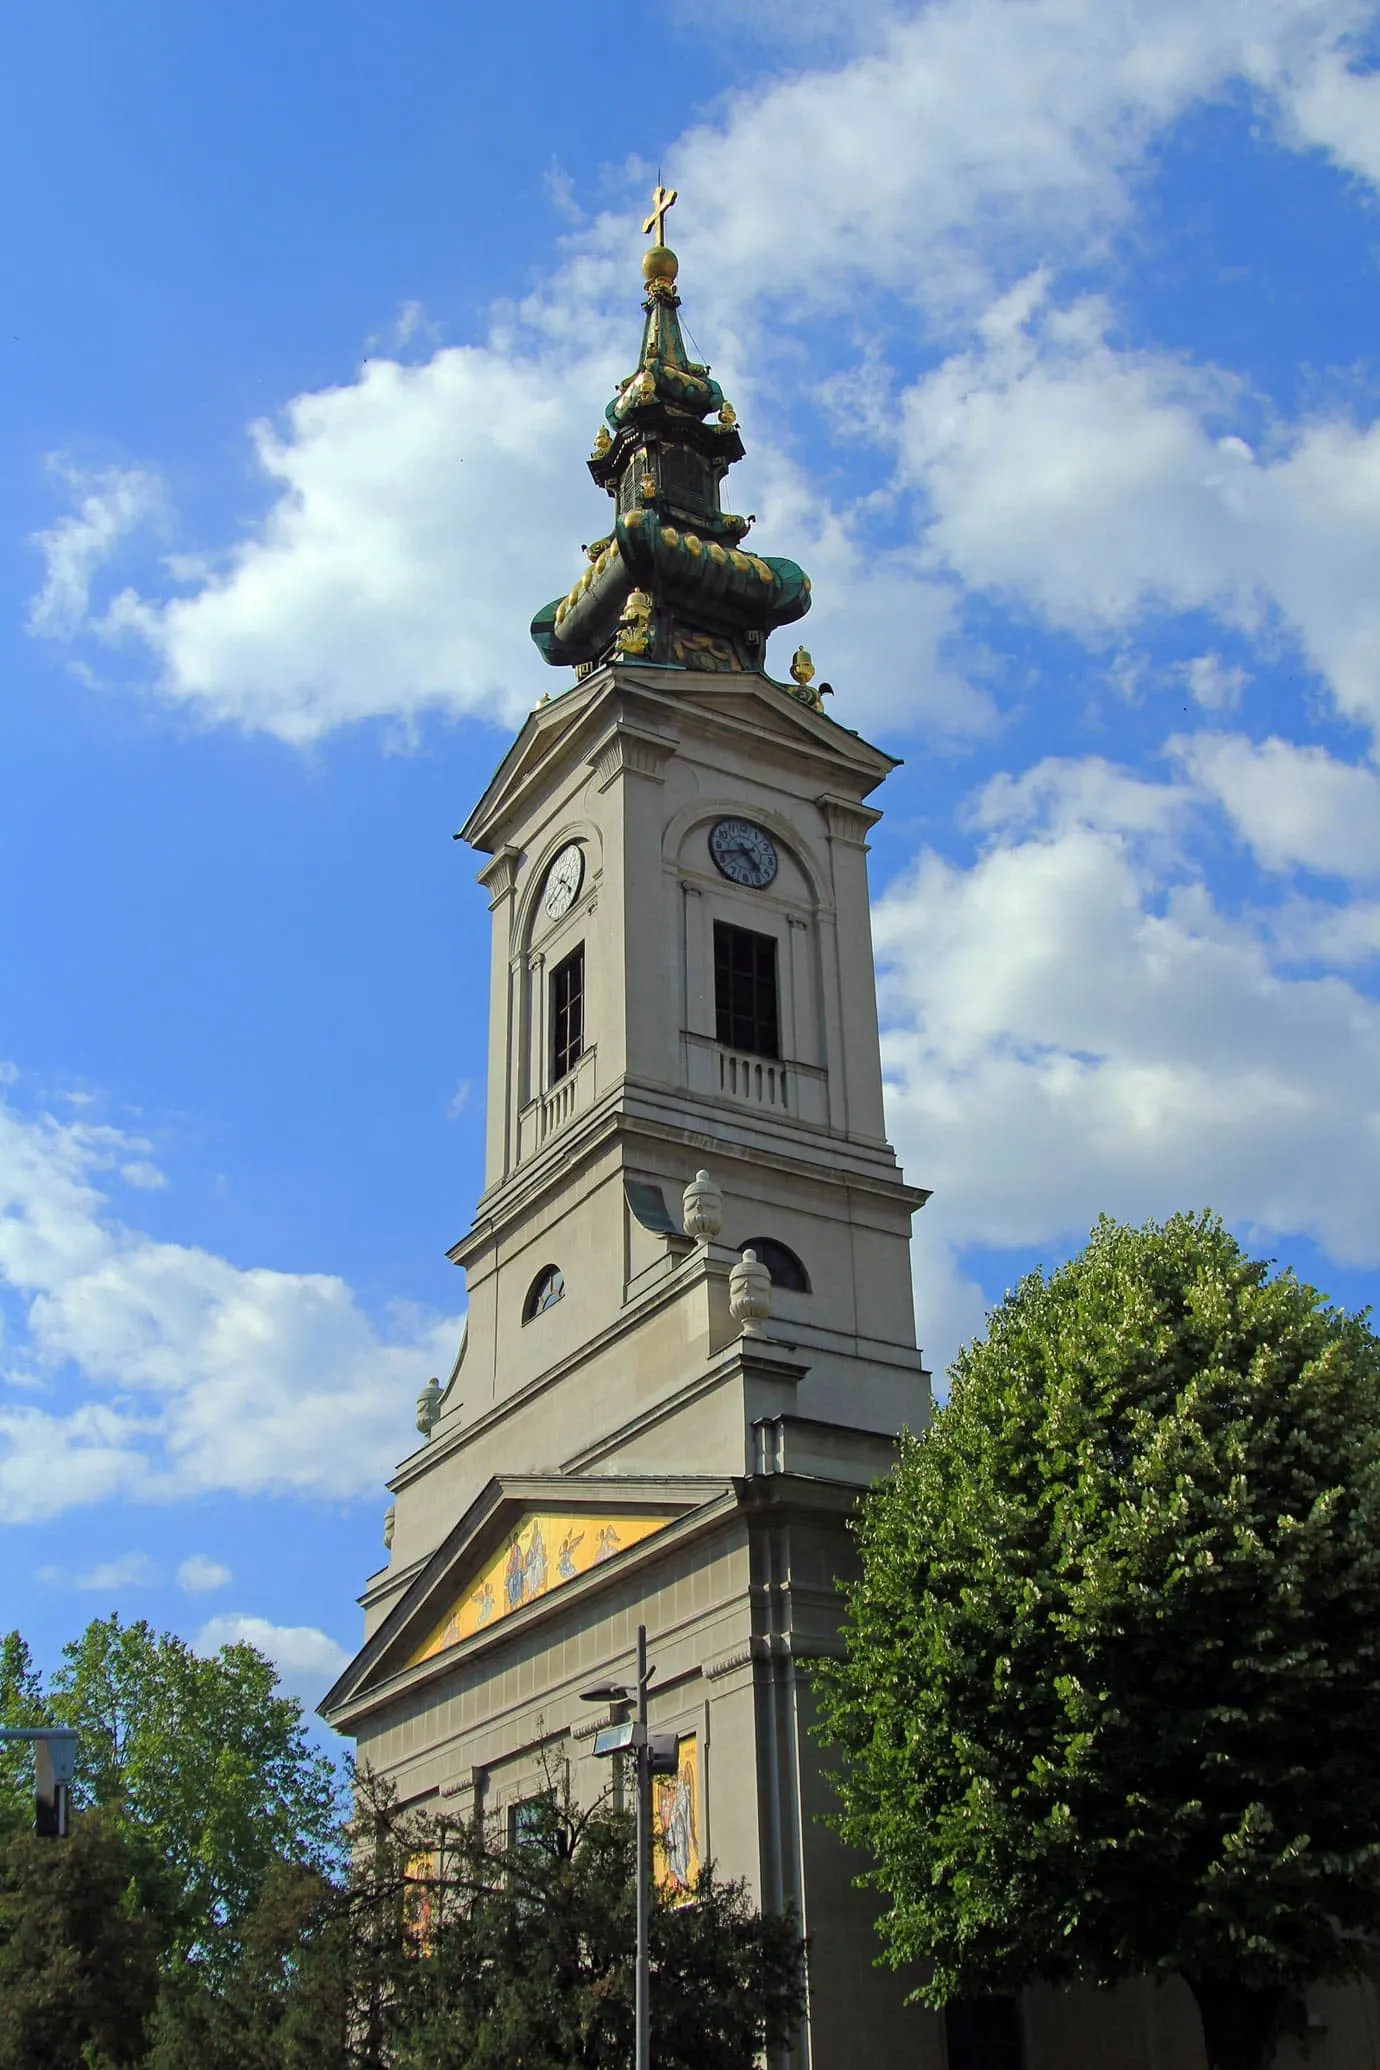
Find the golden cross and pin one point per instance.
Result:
(662, 199)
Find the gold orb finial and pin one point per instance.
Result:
(802, 666)
(659, 264)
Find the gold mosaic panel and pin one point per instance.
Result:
(676, 1805)
(542, 1552)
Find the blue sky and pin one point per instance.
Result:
(1052, 330)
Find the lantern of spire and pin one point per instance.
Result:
(671, 584)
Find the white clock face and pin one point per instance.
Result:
(743, 852)
(563, 880)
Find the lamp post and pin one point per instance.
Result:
(55, 1764)
(654, 1753)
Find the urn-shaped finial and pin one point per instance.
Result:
(390, 1518)
(702, 1206)
(749, 1292)
(429, 1406)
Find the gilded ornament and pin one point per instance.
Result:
(635, 625)
(708, 576)
(655, 225)
(802, 666)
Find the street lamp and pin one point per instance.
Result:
(55, 1764)
(655, 1753)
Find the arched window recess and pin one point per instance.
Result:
(781, 1262)
(545, 1291)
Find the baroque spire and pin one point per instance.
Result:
(671, 585)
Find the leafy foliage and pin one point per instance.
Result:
(21, 1703)
(449, 1950)
(82, 1926)
(206, 1909)
(1112, 1690)
(201, 1758)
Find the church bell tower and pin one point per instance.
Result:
(690, 1338)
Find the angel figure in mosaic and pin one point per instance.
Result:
(536, 1562)
(607, 1543)
(515, 1575)
(565, 1558)
(676, 1815)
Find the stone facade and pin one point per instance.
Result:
(725, 1450)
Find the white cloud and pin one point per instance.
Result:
(109, 506)
(143, 1174)
(1316, 931)
(307, 1660)
(129, 1570)
(1057, 796)
(1291, 804)
(411, 509)
(980, 136)
(414, 509)
(1071, 1025)
(200, 1575)
(1335, 105)
(1212, 683)
(1095, 486)
(161, 1371)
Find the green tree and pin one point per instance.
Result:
(446, 1948)
(83, 1923)
(203, 1755)
(21, 1703)
(1111, 1697)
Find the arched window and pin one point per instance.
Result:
(545, 1291)
(785, 1268)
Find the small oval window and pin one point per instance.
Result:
(545, 1291)
(781, 1262)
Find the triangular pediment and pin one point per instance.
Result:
(656, 702)
(521, 1545)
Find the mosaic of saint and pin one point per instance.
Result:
(676, 1822)
(539, 1554)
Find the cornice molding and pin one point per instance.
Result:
(499, 874)
(628, 750)
(847, 819)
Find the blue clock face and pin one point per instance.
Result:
(743, 853)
